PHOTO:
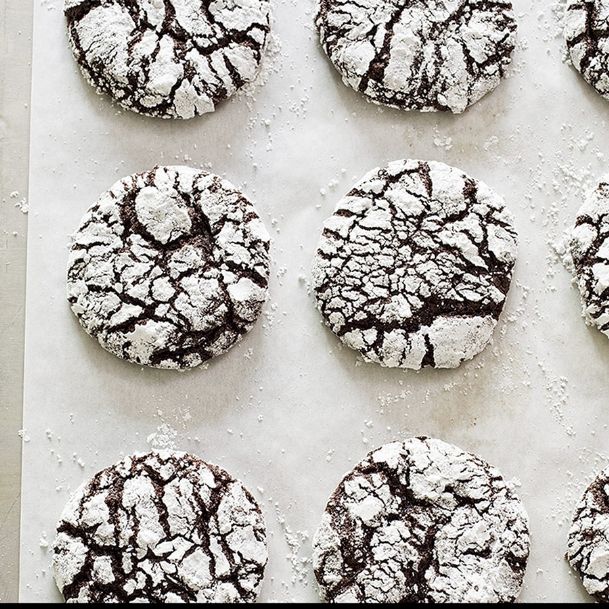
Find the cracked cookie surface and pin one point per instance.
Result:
(422, 521)
(168, 58)
(587, 37)
(413, 268)
(427, 55)
(589, 249)
(169, 268)
(160, 527)
(588, 545)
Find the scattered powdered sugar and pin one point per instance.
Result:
(295, 541)
(19, 202)
(557, 398)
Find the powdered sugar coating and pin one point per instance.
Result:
(588, 546)
(414, 266)
(169, 268)
(589, 248)
(160, 527)
(427, 55)
(422, 521)
(587, 36)
(168, 58)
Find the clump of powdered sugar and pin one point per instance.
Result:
(163, 438)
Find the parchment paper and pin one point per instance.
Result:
(288, 410)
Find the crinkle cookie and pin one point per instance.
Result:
(168, 58)
(160, 527)
(587, 36)
(428, 55)
(588, 546)
(422, 521)
(413, 268)
(169, 268)
(589, 249)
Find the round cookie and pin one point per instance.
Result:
(168, 58)
(587, 36)
(428, 55)
(422, 521)
(588, 545)
(413, 268)
(160, 527)
(589, 249)
(169, 268)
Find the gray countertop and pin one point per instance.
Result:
(15, 61)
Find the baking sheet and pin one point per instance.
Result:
(289, 410)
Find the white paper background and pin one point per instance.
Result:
(288, 410)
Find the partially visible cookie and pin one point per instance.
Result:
(587, 36)
(160, 527)
(169, 268)
(588, 546)
(413, 268)
(428, 55)
(422, 521)
(589, 249)
(168, 58)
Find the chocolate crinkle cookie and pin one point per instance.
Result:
(588, 545)
(413, 268)
(160, 527)
(422, 521)
(589, 250)
(168, 58)
(169, 268)
(428, 55)
(587, 36)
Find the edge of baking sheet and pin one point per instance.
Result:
(37, 7)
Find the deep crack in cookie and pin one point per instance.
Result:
(428, 55)
(160, 527)
(169, 268)
(413, 268)
(422, 521)
(168, 58)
